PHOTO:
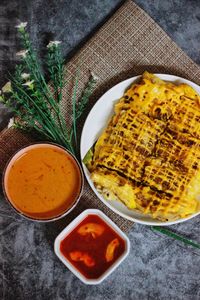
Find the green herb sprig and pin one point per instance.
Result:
(35, 104)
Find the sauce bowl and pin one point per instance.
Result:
(81, 267)
(43, 182)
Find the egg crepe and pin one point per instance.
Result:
(128, 145)
(148, 157)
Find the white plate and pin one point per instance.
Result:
(95, 123)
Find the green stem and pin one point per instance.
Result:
(35, 70)
(176, 236)
(49, 97)
(47, 109)
(50, 123)
(74, 108)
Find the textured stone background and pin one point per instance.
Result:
(157, 267)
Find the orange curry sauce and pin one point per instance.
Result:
(92, 247)
(43, 182)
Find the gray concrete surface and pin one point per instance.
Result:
(157, 267)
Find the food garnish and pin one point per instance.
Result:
(111, 249)
(82, 256)
(92, 229)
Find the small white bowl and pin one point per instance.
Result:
(71, 227)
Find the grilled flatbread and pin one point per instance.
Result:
(148, 157)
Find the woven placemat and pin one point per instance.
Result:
(129, 43)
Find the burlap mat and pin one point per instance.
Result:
(129, 43)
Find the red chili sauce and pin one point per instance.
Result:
(92, 247)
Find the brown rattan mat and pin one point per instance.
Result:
(126, 45)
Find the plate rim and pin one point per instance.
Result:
(100, 197)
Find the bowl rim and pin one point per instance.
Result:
(71, 226)
(61, 215)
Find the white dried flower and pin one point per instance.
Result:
(53, 43)
(25, 76)
(22, 25)
(29, 84)
(11, 122)
(94, 76)
(22, 53)
(7, 87)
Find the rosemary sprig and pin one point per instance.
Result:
(35, 104)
